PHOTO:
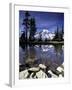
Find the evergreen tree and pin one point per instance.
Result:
(59, 34)
(56, 34)
(32, 28)
(26, 23)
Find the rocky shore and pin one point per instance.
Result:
(42, 71)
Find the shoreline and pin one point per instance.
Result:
(43, 42)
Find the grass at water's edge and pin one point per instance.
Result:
(43, 42)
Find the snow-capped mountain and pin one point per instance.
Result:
(45, 34)
(37, 35)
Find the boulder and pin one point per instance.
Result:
(23, 74)
(42, 66)
(60, 69)
(41, 74)
(52, 74)
(34, 69)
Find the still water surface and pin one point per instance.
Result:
(49, 55)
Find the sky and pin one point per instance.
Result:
(44, 20)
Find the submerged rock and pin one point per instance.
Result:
(34, 69)
(60, 69)
(42, 66)
(23, 74)
(41, 74)
(53, 75)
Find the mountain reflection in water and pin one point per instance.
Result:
(49, 55)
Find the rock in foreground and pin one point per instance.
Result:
(23, 74)
(41, 74)
(34, 69)
(42, 66)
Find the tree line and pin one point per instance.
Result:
(29, 24)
